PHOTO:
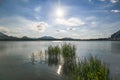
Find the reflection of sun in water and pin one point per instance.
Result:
(59, 69)
(59, 12)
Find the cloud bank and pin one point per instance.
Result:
(17, 24)
(72, 22)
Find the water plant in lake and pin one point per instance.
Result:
(73, 68)
(53, 55)
(90, 68)
(33, 58)
(87, 69)
(68, 50)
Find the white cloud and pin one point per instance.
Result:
(10, 32)
(35, 26)
(41, 26)
(73, 22)
(114, 1)
(116, 11)
(94, 23)
(65, 30)
(37, 9)
(14, 24)
(71, 29)
(3, 29)
(61, 31)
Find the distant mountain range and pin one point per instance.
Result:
(116, 36)
(4, 37)
(47, 37)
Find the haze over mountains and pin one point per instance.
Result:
(4, 37)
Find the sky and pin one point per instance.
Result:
(82, 19)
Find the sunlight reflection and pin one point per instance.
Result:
(59, 69)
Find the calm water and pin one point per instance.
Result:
(15, 58)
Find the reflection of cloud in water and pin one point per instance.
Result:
(38, 56)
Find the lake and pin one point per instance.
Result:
(15, 58)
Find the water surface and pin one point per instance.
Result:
(15, 58)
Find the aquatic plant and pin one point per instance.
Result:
(33, 58)
(92, 69)
(87, 69)
(68, 50)
(72, 68)
(53, 55)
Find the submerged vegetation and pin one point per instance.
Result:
(74, 68)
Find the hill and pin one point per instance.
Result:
(116, 36)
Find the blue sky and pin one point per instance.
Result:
(82, 19)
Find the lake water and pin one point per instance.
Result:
(15, 58)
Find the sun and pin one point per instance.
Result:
(59, 12)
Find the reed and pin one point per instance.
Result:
(91, 69)
(33, 58)
(73, 68)
(53, 55)
(68, 50)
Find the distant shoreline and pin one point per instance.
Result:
(4, 37)
(61, 40)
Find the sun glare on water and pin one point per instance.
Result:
(59, 69)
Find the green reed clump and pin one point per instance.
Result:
(53, 50)
(68, 50)
(53, 55)
(91, 69)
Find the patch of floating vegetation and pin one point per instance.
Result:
(72, 68)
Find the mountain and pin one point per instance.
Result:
(6, 37)
(3, 36)
(67, 38)
(116, 36)
(47, 37)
